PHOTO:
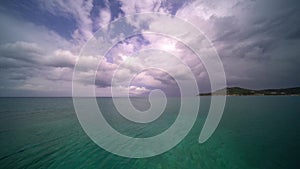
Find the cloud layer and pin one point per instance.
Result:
(258, 42)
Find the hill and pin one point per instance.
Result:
(237, 91)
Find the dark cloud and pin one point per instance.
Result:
(102, 83)
(22, 51)
(259, 43)
(294, 35)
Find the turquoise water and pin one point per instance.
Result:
(255, 132)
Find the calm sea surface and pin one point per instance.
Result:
(255, 132)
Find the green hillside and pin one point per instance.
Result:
(237, 91)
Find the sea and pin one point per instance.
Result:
(255, 132)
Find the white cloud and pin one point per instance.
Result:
(61, 58)
(103, 19)
(137, 6)
(76, 9)
(135, 90)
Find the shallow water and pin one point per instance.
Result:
(255, 132)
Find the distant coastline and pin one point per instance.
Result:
(238, 91)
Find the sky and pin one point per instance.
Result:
(258, 42)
